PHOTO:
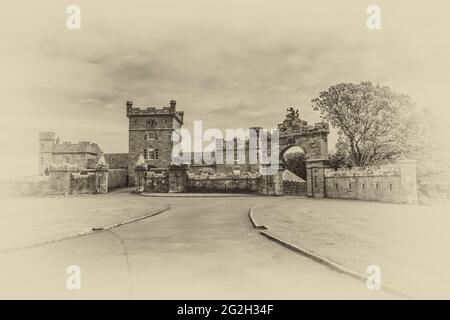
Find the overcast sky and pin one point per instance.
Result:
(229, 63)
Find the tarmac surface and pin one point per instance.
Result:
(201, 248)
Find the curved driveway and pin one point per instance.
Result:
(201, 248)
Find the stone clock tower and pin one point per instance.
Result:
(150, 134)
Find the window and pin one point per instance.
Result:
(153, 154)
(337, 186)
(151, 135)
(390, 186)
(315, 181)
(350, 186)
(376, 185)
(42, 160)
(145, 154)
(364, 187)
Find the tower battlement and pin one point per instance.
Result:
(154, 111)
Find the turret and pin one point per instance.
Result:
(46, 143)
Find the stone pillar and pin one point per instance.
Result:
(140, 174)
(271, 184)
(408, 181)
(60, 177)
(101, 179)
(101, 176)
(315, 178)
(139, 178)
(178, 179)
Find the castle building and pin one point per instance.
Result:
(84, 154)
(150, 134)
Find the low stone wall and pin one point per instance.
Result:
(388, 183)
(69, 179)
(223, 183)
(83, 182)
(179, 179)
(117, 178)
(294, 188)
(157, 181)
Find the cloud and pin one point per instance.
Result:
(228, 63)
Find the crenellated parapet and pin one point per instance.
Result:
(153, 111)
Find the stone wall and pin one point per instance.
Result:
(179, 179)
(83, 182)
(388, 183)
(84, 154)
(223, 183)
(294, 188)
(82, 160)
(117, 160)
(156, 181)
(68, 179)
(117, 178)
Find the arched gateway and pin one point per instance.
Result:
(314, 142)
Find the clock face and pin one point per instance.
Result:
(151, 123)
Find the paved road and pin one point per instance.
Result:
(201, 248)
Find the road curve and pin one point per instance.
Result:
(199, 249)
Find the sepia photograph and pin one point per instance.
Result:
(195, 151)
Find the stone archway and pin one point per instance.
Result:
(288, 160)
(313, 140)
